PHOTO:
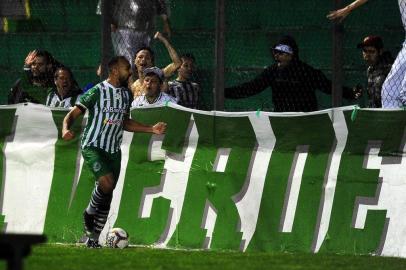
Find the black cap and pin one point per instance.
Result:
(371, 41)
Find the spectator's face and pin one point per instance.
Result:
(124, 72)
(63, 82)
(39, 66)
(152, 85)
(186, 69)
(143, 59)
(282, 59)
(370, 54)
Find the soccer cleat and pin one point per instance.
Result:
(91, 243)
(82, 240)
(88, 222)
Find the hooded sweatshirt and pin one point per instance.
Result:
(293, 87)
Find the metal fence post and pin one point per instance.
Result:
(218, 90)
(337, 69)
(106, 6)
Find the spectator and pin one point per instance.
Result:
(153, 79)
(145, 58)
(37, 79)
(394, 87)
(293, 82)
(379, 64)
(133, 24)
(66, 92)
(183, 89)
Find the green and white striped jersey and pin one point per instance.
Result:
(108, 106)
(53, 100)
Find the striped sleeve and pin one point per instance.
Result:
(90, 98)
(49, 99)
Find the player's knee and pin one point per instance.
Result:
(106, 183)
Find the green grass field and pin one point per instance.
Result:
(60, 257)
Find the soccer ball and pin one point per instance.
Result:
(117, 238)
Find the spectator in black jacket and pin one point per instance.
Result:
(292, 81)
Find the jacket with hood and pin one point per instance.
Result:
(293, 86)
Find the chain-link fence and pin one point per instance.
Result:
(279, 55)
(69, 30)
(256, 51)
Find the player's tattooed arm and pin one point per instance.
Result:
(68, 121)
(170, 69)
(342, 13)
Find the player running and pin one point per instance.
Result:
(109, 105)
(394, 87)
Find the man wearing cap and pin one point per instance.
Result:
(379, 64)
(293, 82)
(394, 88)
(152, 83)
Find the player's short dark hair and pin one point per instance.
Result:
(114, 62)
(65, 69)
(151, 52)
(188, 56)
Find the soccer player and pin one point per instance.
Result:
(108, 104)
(152, 83)
(183, 89)
(394, 87)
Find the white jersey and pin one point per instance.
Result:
(161, 99)
(108, 107)
(53, 100)
(402, 8)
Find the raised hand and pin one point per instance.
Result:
(30, 58)
(339, 14)
(159, 36)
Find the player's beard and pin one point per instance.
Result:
(123, 81)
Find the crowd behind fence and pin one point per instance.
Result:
(215, 54)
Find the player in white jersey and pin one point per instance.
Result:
(152, 83)
(394, 87)
(108, 104)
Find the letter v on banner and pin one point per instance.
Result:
(67, 191)
(8, 122)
